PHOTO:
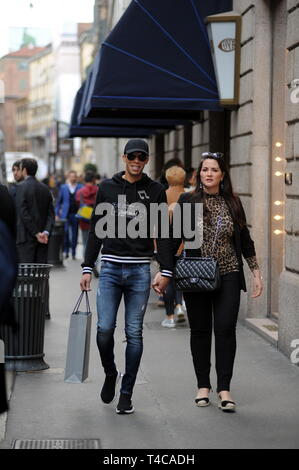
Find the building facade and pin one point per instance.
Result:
(260, 141)
(262, 148)
(23, 144)
(41, 101)
(14, 72)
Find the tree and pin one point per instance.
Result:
(28, 40)
(90, 167)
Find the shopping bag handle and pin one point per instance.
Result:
(80, 300)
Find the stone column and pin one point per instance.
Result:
(289, 279)
(251, 138)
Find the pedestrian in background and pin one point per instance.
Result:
(8, 276)
(50, 181)
(222, 209)
(98, 179)
(66, 209)
(7, 209)
(18, 177)
(35, 215)
(172, 162)
(86, 196)
(125, 269)
(190, 181)
(173, 299)
(162, 180)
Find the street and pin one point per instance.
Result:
(265, 386)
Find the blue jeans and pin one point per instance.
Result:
(133, 282)
(71, 227)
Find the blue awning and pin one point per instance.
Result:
(156, 62)
(113, 127)
(79, 119)
(110, 131)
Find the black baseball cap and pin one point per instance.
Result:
(136, 145)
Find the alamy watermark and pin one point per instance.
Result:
(138, 220)
(2, 92)
(295, 354)
(294, 86)
(1, 351)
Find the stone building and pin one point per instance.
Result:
(41, 101)
(260, 141)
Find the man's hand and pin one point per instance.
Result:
(42, 238)
(85, 282)
(45, 237)
(160, 283)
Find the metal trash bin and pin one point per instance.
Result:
(56, 242)
(24, 349)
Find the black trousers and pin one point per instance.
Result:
(32, 252)
(172, 297)
(222, 306)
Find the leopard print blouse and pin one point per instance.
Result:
(224, 250)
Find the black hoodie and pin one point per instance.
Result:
(127, 250)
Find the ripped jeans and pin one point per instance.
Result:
(133, 282)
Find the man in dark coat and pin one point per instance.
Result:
(35, 215)
(8, 275)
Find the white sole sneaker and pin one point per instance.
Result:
(125, 412)
(167, 324)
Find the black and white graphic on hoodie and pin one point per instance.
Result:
(123, 209)
(126, 249)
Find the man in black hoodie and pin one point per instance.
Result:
(125, 266)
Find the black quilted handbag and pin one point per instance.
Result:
(195, 274)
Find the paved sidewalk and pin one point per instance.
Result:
(43, 406)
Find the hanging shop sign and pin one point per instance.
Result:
(224, 31)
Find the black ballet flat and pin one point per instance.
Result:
(204, 401)
(227, 405)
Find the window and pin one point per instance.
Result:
(23, 66)
(23, 84)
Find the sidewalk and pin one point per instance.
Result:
(265, 386)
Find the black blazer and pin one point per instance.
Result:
(244, 245)
(7, 209)
(8, 216)
(35, 211)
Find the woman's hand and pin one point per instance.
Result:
(257, 284)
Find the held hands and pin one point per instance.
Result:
(42, 238)
(160, 283)
(257, 284)
(85, 282)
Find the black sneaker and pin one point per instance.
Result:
(108, 390)
(124, 405)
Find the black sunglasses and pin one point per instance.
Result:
(131, 156)
(210, 154)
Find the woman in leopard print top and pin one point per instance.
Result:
(214, 190)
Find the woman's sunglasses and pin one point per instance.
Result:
(142, 157)
(210, 154)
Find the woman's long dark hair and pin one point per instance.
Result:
(232, 200)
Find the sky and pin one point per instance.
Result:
(48, 14)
